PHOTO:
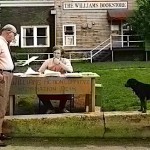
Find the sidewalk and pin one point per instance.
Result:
(77, 144)
(88, 147)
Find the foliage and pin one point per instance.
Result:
(140, 20)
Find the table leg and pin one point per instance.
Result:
(92, 97)
(11, 104)
(87, 97)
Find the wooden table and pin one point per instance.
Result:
(54, 85)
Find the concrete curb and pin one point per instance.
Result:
(96, 124)
(127, 124)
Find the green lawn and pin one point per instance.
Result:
(113, 75)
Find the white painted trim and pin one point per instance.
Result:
(35, 36)
(74, 35)
(27, 3)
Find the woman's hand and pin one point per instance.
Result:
(56, 61)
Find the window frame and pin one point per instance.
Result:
(73, 36)
(35, 45)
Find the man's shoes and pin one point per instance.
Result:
(50, 111)
(4, 137)
(64, 111)
(2, 144)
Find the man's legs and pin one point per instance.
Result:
(4, 99)
(47, 103)
(62, 97)
(62, 104)
(63, 101)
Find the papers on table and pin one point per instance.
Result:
(29, 60)
(73, 75)
(52, 73)
(90, 74)
(18, 74)
(30, 71)
(81, 74)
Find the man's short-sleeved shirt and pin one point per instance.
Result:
(6, 62)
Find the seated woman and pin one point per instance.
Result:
(63, 65)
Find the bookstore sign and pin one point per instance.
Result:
(95, 5)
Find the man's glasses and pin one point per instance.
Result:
(14, 33)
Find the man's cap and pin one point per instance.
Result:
(9, 27)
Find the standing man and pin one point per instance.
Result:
(8, 33)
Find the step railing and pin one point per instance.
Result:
(118, 41)
(110, 43)
(104, 45)
(126, 41)
(89, 54)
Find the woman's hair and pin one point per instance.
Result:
(58, 47)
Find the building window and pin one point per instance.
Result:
(115, 29)
(35, 36)
(69, 35)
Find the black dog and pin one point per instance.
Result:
(142, 90)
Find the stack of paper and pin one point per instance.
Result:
(89, 74)
(30, 71)
(73, 75)
(18, 74)
(52, 73)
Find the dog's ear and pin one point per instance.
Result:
(133, 82)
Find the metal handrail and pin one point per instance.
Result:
(127, 41)
(101, 49)
(100, 44)
(89, 53)
(111, 41)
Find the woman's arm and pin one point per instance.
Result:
(66, 65)
(44, 66)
